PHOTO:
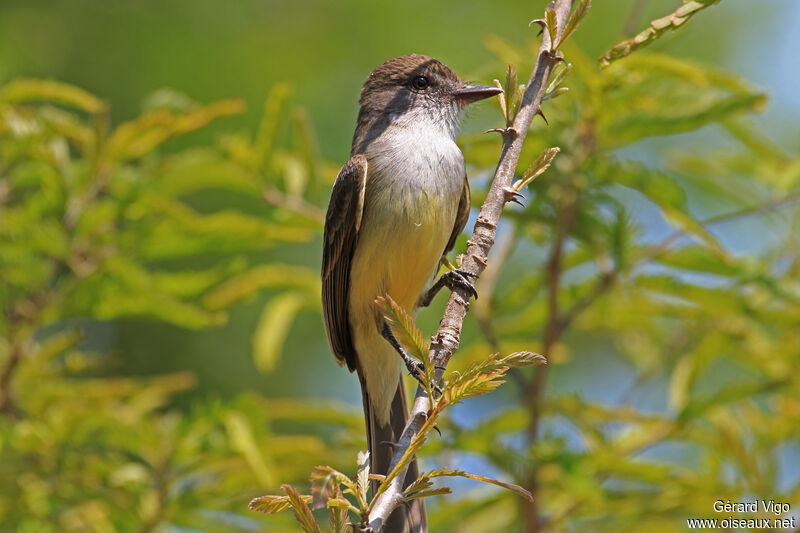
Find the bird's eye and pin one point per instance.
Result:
(420, 83)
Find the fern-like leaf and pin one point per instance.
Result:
(325, 483)
(460, 473)
(302, 512)
(432, 492)
(403, 327)
(656, 29)
(270, 504)
(537, 168)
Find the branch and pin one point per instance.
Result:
(656, 29)
(555, 325)
(604, 282)
(7, 406)
(447, 338)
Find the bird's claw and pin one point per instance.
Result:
(503, 131)
(513, 195)
(417, 370)
(541, 22)
(414, 367)
(458, 278)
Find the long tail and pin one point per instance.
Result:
(404, 519)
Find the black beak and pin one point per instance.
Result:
(472, 93)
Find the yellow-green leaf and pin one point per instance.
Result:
(242, 440)
(32, 90)
(273, 327)
(301, 510)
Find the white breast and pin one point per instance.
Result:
(415, 180)
(414, 184)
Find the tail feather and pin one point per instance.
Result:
(404, 519)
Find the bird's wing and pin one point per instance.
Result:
(342, 223)
(462, 215)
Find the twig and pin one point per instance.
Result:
(555, 324)
(604, 282)
(447, 338)
(7, 405)
(656, 28)
(552, 332)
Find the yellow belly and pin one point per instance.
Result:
(400, 243)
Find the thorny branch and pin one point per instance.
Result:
(447, 338)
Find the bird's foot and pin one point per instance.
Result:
(415, 368)
(460, 278)
(450, 279)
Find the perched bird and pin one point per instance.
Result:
(396, 208)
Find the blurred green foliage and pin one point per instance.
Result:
(670, 276)
(94, 224)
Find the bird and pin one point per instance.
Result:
(396, 208)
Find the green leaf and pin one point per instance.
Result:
(271, 504)
(523, 359)
(273, 327)
(57, 345)
(309, 154)
(193, 283)
(462, 388)
(700, 259)
(482, 378)
(301, 510)
(662, 189)
(512, 96)
(339, 508)
(494, 363)
(653, 94)
(32, 90)
(273, 108)
(325, 482)
(460, 473)
(142, 135)
(501, 100)
(178, 231)
(201, 169)
(431, 492)
(129, 289)
(656, 29)
(421, 483)
(249, 283)
(551, 20)
(68, 125)
(687, 223)
(731, 394)
(562, 70)
(575, 18)
(404, 327)
(537, 168)
(555, 94)
(680, 382)
(243, 441)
